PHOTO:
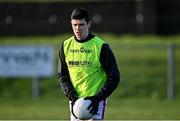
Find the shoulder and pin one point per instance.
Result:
(66, 42)
(98, 41)
(69, 39)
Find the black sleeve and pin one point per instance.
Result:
(110, 67)
(64, 78)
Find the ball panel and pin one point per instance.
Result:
(80, 109)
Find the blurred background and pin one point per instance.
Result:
(143, 34)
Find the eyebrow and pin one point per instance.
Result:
(78, 24)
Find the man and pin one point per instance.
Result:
(87, 66)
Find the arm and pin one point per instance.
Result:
(110, 67)
(64, 78)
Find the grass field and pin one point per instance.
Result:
(124, 108)
(141, 94)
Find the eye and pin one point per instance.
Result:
(81, 24)
(74, 24)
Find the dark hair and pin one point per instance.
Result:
(80, 13)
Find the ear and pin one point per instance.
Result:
(90, 24)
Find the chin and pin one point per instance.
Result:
(79, 38)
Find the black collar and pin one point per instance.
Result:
(89, 37)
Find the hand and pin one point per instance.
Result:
(73, 100)
(72, 104)
(93, 107)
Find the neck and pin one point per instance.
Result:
(89, 37)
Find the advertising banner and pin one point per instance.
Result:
(26, 61)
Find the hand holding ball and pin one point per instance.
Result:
(80, 109)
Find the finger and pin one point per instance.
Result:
(90, 106)
(96, 110)
(91, 111)
(73, 112)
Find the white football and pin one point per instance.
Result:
(80, 109)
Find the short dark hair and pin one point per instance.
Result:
(80, 13)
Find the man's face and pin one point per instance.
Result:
(80, 28)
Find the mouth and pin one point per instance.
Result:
(78, 33)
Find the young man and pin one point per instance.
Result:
(87, 66)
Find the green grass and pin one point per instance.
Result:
(141, 93)
(124, 108)
(33, 110)
(141, 108)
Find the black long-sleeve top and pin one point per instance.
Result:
(108, 63)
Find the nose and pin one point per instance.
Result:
(77, 27)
